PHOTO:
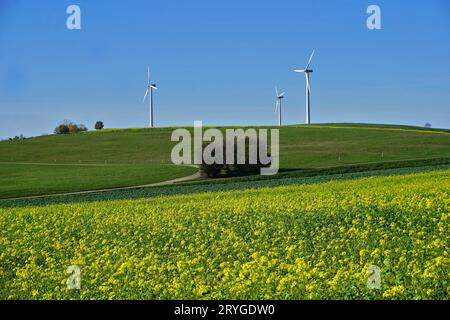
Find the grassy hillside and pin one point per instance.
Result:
(55, 164)
(144, 155)
(30, 179)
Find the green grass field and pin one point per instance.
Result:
(31, 179)
(116, 158)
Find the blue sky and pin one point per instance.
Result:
(218, 61)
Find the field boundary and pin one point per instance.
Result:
(368, 126)
(185, 186)
(194, 179)
(202, 186)
(342, 169)
(418, 130)
(290, 173)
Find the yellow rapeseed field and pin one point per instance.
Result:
(294, 242)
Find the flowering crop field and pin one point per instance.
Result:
(313, 241)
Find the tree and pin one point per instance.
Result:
(62, 129)
(73, 128)
(67, 127)
(427, 125)
(99, 125)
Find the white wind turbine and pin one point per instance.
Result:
(150, 88)
(279, 97)
(307, 71)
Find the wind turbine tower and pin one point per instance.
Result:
(307, 71)
(279, 98)
(150, 88)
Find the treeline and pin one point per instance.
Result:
(20, 137)
(69, 127)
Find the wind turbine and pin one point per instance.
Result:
(307, 71)
(150, 88)
(279, 97)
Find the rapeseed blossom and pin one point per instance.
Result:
(312, 241)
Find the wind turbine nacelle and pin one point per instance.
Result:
(309, 71)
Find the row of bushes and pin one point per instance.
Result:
(68, 127)
(21, 137)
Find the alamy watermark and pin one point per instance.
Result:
(374, 20)
(374, 278)
(213, 153)
(73, 22)
(74, 280)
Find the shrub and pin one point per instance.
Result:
(62, 129)
(67, 127)
(99, 125)
(21, 137)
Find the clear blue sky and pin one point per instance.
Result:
(218, 61)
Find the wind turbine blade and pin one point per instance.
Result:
(299, 71)
(276, 91)
(277, 105)
(148, 75)
(282, 94)
(310, 59)
(146, 93)
(153, 87)
(307, 82)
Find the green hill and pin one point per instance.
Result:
(137, 156)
